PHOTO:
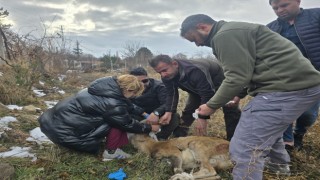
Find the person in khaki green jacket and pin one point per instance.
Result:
(283, 83)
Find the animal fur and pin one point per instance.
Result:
(189, 152)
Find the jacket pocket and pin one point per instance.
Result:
(247, 107)
(262, 108)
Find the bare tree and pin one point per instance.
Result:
(180, 56)
(129, 52)
(203, 55)
(3, 40)
(142, 56)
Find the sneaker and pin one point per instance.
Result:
(279, 169)
(118, 154)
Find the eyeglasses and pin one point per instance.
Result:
(145, 81)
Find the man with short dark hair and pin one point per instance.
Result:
(302, 27)
(200, 79)
(152, 101)
(282, 82)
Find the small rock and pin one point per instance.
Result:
(30, 108)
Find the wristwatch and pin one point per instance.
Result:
(156, 113)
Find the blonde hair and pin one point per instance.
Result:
(130, 83)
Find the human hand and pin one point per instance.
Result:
(153, 119)
(205, 110)
(201, 127)
(165, 119)
(234, 102)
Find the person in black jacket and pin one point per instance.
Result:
(153, 101)
(200, 79)
(302, 27)
(80, 122)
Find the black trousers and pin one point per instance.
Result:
(231, 117)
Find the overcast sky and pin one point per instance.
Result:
(108, 25)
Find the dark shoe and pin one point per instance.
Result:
(279, 169)
(289, 149)
(298, 144)
(162, 135)
(167, 130)
(180, 131)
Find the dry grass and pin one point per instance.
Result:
(55, 162)
(10, 91)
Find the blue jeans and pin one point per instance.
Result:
(306, 120)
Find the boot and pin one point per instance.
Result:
(167, 130)
(180, 131)
(298, 138)
(289, 149)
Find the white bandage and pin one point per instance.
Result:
(153, 135)
(196, 114)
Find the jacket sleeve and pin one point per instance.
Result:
(202, 85)
(137, 110)
(172, 96)
(238, 65)
(161, 95)
(119, 117)
(243, 93)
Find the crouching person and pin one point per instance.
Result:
(82, 121)
(153, 102)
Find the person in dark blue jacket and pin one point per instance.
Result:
(302, 27)
(82, 121)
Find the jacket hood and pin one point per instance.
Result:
(107, 87)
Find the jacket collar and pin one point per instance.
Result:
(214, 30)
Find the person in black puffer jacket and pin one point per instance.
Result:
(82, 121)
